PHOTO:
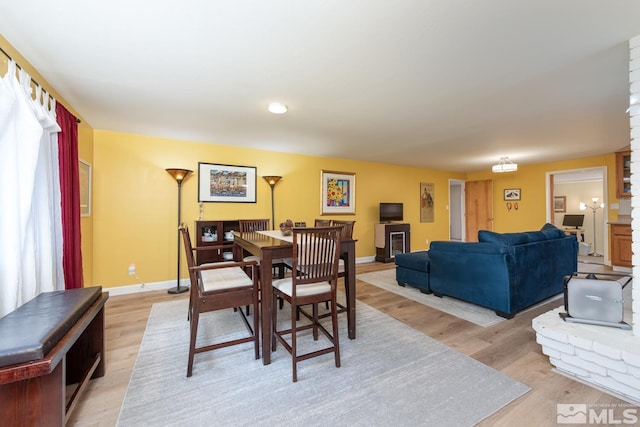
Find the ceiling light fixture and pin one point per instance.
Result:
(277, 108)
(504, 165)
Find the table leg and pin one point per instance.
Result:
(266, 276)
(350, 287)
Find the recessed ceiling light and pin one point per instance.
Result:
(277, 108)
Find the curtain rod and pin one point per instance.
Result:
(32, 79)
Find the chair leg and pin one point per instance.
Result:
(294, 350)
(256, 326)
(314, 321)
(274, 322)
(336, 337)
(195, 316)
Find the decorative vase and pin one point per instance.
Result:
(285, 228)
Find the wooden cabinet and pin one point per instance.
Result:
(623, 174)
(621, 245)
(209, 233)
(391, 239)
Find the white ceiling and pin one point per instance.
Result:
(444, 84)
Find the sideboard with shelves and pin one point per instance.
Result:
(212, 233)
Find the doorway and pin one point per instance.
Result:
(456, 210)
(572, 188)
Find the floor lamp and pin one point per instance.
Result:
(272, 181)
(179, 175)
(594, 207)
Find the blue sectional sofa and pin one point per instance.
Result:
(506, 272)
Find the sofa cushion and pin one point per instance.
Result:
(552, 232)
(505, 239)
(414, 260)
(548, 231)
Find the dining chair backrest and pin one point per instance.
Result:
(347, 228)
(188, 251)
(247, 225)
(322, 223)
(316, 251)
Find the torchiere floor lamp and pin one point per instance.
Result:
(594, 207)
(179, 175)
(272, 181)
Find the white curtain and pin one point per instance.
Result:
(30, 226)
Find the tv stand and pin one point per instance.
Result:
(391, 238)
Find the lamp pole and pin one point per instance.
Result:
(594, 207)
(272, 181)
(179, 175)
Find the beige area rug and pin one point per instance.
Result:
(386, 280)
(391, 375)
(481, 316)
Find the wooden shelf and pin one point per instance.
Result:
(210, 233)
(623, 174)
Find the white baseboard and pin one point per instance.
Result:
(168, 284)
(145, 287)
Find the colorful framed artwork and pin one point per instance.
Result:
(427, 202)
(560, 203)
(337, 193)
(511, 194)
(84, 174)
(226, 183)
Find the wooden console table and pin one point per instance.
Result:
(34, 392)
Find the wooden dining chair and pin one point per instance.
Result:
(194, 251)
(215, 287)
(322, 223)
(346, 233)
(316, 251)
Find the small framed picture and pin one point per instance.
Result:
(337, 193)
(84, 171)
(512, 194)
(226, 183)
(560, 203)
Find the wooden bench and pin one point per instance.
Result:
(51, 342)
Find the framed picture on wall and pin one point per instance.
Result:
(560, 203)
(337, 193)
(427, 201)
(226, 183)
(511, 194)
(84, 173)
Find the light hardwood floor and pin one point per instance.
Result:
(509, 347)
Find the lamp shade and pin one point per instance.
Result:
(272, 180)
(179, 174)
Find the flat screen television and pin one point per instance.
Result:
(573, 220)
(391, 212)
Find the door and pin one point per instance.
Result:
(478, 197)
(456, 211)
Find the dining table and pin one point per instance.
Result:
(271, 245)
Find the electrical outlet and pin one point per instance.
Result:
(132, 269)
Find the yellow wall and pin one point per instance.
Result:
(135, 200)
(532, 209)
